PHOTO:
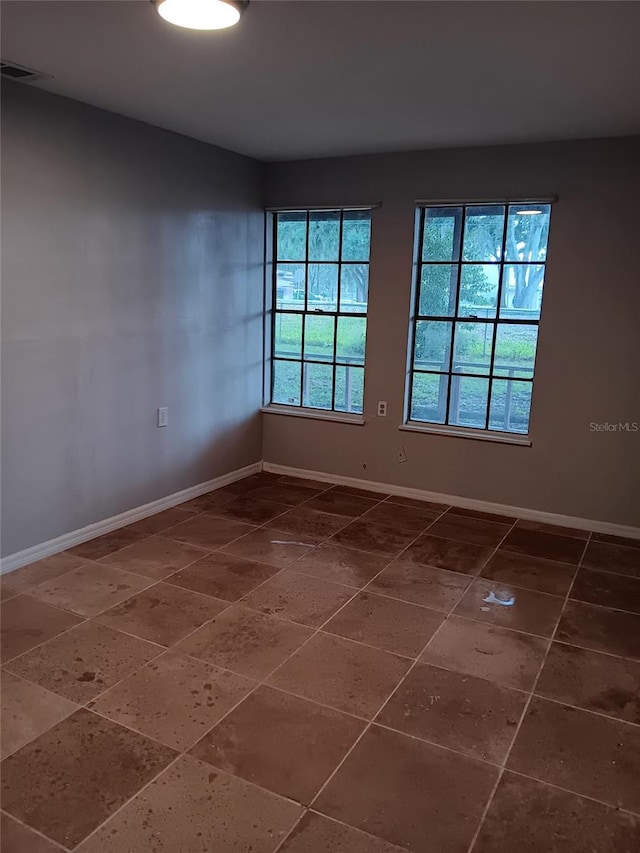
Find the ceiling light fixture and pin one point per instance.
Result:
(529, 212)
(201, 14)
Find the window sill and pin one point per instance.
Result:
(462, 432)
(314, 414)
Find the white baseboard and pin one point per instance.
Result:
(456, 500)
(75, 537)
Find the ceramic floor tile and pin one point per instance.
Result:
(174, 699)
(342, 674)
(376, 538)
(403, 517)
(591, 680)
(27, 622)
(431, 506)
(543, 527)
(318, 834)
(462, 712)
(434, 588)
(354, 491)
(163, 613)
(282, 743)
(274, 547)
(600, 629)
(316, 485)
(154, 557)
(85, 661)
(497, 654)
(107, 544)
(464, 529)
(193, 808)
(341, 504)
(564, 549)
(530, 572)
(70, 779)
(6, 593)
(26, 578)
(581, 752)
(395, 626)
(284, 493)
(342, 565)
(615, 540)
(448, 554)
(511, 607)
(209, 502)
(532, 817)
(27, 711)
(612, 558)
(90, 589)
(223, 576)
(309, 522)
(16, 838)
(161, 520)
(250, 510)
(244, 641)
(617, 591)
(300, 598)
(409, 793)
(481, 515)
(207, 531)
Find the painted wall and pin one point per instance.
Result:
(589, 346)
(131, 279)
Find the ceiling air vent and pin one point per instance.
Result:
(20, 72)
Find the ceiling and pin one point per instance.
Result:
(308, 79)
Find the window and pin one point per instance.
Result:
(320, 288)
(480, 274)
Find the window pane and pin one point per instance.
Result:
(522, 291)
(318, 386)
(354, 286)
(515, 350)
(472, 348)
(468, 405)
(433, 345)
(356, 235)
(483, 231)
(318, 337)
(478, 290)
(287, 339)
(438, 284)
(441, 235)
(324, 235)
(350, 344)
(349, 389)
(429, 397)
(290, 286)
(527, 232)
(322, 287)
(286, 382)
(510, 405)
(292, 236)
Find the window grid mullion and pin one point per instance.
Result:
(503, 249)
(457, 309)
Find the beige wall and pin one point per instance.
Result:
(131, 279)
(589, 346)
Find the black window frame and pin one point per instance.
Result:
(304, 311)
(456, 317)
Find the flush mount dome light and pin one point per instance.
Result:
(201, 14)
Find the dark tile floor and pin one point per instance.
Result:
(287, 666)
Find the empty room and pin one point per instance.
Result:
(320, 426)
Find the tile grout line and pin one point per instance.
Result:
(526, 707)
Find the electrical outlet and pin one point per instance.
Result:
(402, 456)
(163, 416)
(382, 408)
